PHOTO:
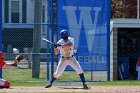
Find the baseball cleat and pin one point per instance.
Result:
(85, 86)
(48, 86)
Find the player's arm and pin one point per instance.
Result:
(17, 59)
(7, 65)
(56, 50)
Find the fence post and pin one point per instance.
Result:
(108, 42)
(37, 38)
(52, 37)
(1, 33)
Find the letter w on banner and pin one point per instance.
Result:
(87, 22)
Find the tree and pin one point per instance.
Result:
(123, 8)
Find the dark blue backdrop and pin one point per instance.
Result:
(88, 22)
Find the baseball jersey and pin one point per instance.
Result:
(66, 51)
(2, 63)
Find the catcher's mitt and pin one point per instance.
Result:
(18, 58)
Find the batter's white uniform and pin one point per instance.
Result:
(67, 58)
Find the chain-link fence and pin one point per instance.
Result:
(24, 71)
(25, 22)
(23, 27)
(20, 41)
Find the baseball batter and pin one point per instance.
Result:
(3, 64)
(66, 47)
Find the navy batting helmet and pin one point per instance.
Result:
(64, 34)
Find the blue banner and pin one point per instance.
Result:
(88, 23)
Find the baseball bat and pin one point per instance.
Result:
(48, 41)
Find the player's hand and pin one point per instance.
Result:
(17, 59)
(55, 45)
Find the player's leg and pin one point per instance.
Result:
(4, 83)
(59, 70)
(76, 66)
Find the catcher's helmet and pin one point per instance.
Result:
(64, 34)
(1, 54)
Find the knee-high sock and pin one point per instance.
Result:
(82, 77)
(53, 79)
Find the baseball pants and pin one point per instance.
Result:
(63, 63)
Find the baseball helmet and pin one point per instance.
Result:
(64, 34)
(1, 54)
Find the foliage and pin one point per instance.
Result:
(123, 8)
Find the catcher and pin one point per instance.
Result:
(3, 64)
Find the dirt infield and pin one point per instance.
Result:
(73, 89)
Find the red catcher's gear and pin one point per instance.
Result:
(7, 84)
(1, 54)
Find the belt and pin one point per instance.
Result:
(68, 58)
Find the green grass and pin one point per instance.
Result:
(26, 75)
(26, 83)
(105, 83)
(23, 77)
